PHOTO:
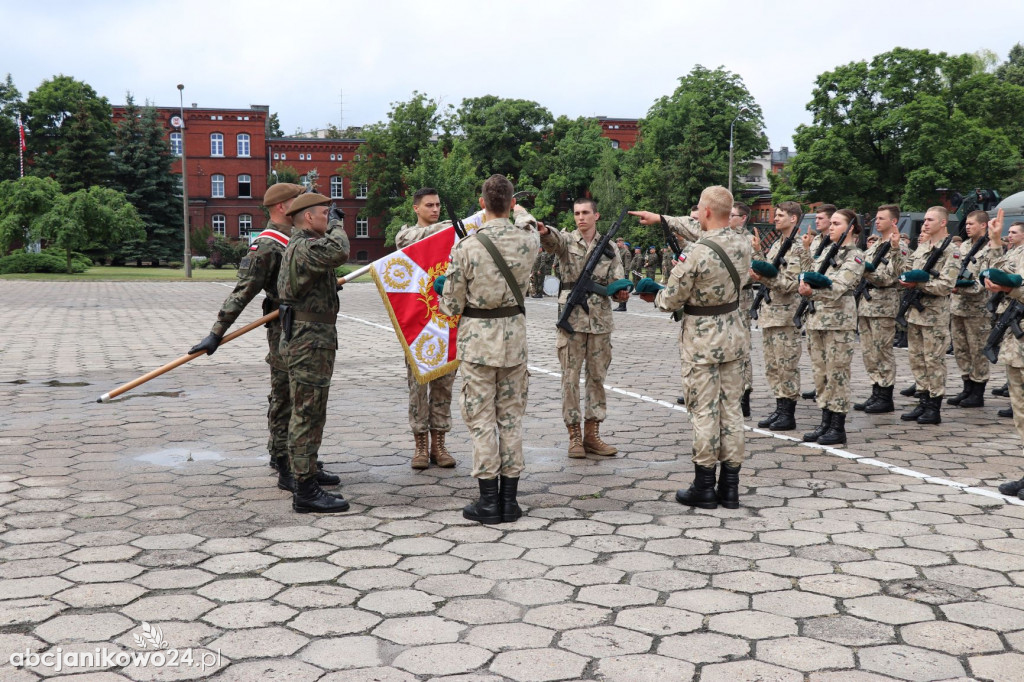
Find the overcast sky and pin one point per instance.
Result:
(575, 57)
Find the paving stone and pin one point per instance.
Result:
(704, 647)
(97, 627)
(708, 601)
(849, 631)
(35, 610)
(341, 653)
(480, 611)
(748, 670)
(506, 636)
(22, 588)
(982, 615)
(441, 659)
(317, 596)
(643, 668)
(398, 602)
(658, 620)
(96, 595)
(617, 595)
(879, 570)
(1001, 667)
(750, 582)
(174, 578)
(565, 616)
(583, 575)
(242, 562)
(239, 589)
(888, 610)
(752, 624)
(169, 607)
(801, 653)
(531, 592)
(376, 674)
(605, 640)
(341, 621)
(910, 663)
(794, 604)
(248, 615)
(285, 670)
(950, 638)
(539, 665)
(417, 630)
(560, 556)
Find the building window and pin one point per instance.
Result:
(362, 256)
(243, 144)
(176, 144)
(615, 144)
(220, 225)
(284, 157)
(362, 228)
(244, 225)
(362, 191)
(276, 156)
(216, 144)
(304, 181)
(244, 186)
(332, 157)
(337, 186)
(217, 186)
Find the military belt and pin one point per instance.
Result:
(491, 313)
(711, 309)
(322, 318)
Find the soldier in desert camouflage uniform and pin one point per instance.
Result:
(309, 339)
(833, 327)
(492, 346)
(816, 245)
(971, 322)
(590, 346)
(738, 221)
(706, 283)
(928, 330)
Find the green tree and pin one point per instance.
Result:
(781, 183)
(87, 218)
(1012, 70)
(142, 170)
(283, 173)
(22, 203)
(562, 168)
(274, 126)
(10, 102)
(497, 129)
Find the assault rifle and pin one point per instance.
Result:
(670, 238)
(970, 257)
(994, 301)
(460, 227)
(825, 241)
(779, 262)
(914, 296)
(1010, 319)
(585, 284)
(828, 262)
(863, 289)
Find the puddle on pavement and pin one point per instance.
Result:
(54, 383)
(157, 394)
(176, 457)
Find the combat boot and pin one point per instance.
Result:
(285, 480)
(745, 404)
(932, 411)
(916, 412)
(421, 459)
(621, 308)
(810, 395)
(977, 396)
(1002, 392)
(728, 492)
(486, 509)
(592, 443)
(510, 510)
(273, 463)
(702, 492)
(1006, 412)
(819, 431)
(767, 421)
(326, 477)
(836, 434)
(1011, 488)
(310, 497)
(883, 403)
(439, 454)
(786, 421)
(910, 391)
(860, 407)
(968, 389)
(576, 450)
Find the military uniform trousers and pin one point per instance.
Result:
(575, 351)
(832, 350)
(713, 393)
(782, 360)
(927, 349)
(746, 303)
(537, 283)
(493, 405)
(1015, 378)
(876, 338)
(430, 404)
(279, 411)
(309, 380)
(817, 356)
(969, 337)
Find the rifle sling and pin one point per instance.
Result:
(505, 272)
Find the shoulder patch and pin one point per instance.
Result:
(956, 255)
(254, 247)
(245, 262)
(682, 258)
(858, 260)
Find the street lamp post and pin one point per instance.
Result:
(731, 126)
(184, 185)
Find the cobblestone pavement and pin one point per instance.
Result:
(155, 518)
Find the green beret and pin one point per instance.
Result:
(915, 276)
(869, 266)
(1004, 279)
(439, 283)
(764, 268)
(618, 285)
(816, 280)
(308, 200)
(964, 283)
(648, 286)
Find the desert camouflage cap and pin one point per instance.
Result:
(282, 191)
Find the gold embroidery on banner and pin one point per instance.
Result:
(431, 351)
(397, 274)
(428, 297)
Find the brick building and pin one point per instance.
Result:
(623, 132)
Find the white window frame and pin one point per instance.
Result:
(216, 182)
(176, 144)
(243, 144)
(216, 144)
(219, 224)
(244, 225)
(337, 187)
(247, 180)
(362, 191)
(362, 228)
(304, 181)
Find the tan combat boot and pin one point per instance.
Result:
(576, 450)
(421, 459)
(592, 443)
(439, 454)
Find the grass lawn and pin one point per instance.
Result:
(132, 273)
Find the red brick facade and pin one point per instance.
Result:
(623, 132)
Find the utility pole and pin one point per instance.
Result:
(731, 126)
(184, 184)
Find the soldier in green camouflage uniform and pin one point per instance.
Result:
(430, 404)
(833, 327)
(928, 330)
(651, 261)
(706, 284)
(666, 263)
(492, 346)
(537, 277)
(627, 262)
(591, 344)
(971, 322)
(308, 287)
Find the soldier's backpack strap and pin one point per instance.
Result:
(725, 260)
(503, 269)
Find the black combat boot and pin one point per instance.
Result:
(916, 412)
(860, 407)
(510, 510)
(285, 480)
(1006, 412)
(977, 396)
(1003, 391)
(836, 434)
(486, 509)
(819, 431)
(728, 492)
(310, 497)
(810, 395)
(273, 463)
(786, 421)
(932, 411)
(767, 421)
(621, 308)
(745, 404)
(326, 478)
(1011, 488)
(883, 403)
(910, 391)
(681, 400)
(702, 493)
(968, 389)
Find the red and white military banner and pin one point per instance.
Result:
(405, 280)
